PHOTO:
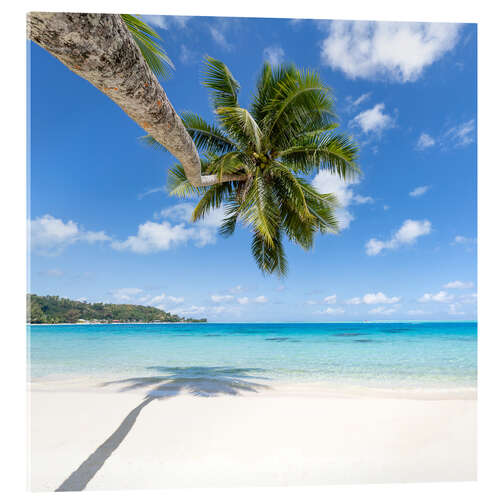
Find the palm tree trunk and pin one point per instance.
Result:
(100, 49)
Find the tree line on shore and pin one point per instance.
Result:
(54, 309)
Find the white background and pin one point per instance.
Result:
(13, 401)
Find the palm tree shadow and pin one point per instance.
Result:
(198, 381)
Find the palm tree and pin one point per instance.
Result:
(268, 152)
(119, 55)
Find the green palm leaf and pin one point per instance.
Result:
(148, 40)
(222, 84)
(287, 134)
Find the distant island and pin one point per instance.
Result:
(54, 309)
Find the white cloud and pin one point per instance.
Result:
(49, 236)
(236, 289)
(386, 207)
(274, 55)
(261, 299)
(462, 240)
(326, 182)
(311, 302)
(161, 189)
(164, 22)
(361, 200)
(219, 37)
(383, 310)
(379, 298)
(441, 296)
(373, 120)
(459, 135)
(407, 234)
(331, 310)
(373, 298)
(243, 300)
(459, 284)
(425, 141)
(395, 51)
(161, 236)
(332, 299)
(156, 237)
(156, 21)
(354, 103)
(222, 298)
(417, 312)
(419, 191)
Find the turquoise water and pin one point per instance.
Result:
(388, 355)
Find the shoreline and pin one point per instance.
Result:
(104, 384)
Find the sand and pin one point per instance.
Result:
(102, 439)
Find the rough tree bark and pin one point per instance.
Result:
(100, 49)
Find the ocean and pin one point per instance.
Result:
(364, 355)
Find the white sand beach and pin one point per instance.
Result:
(99, 439)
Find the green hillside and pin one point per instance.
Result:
(53, 309)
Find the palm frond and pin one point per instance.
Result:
(259, 211)
(148, 40)
(240, 124)
(212, 199)
(336, 153)
(224, 87)
(270, 258)
(205, 136)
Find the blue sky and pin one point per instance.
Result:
(104, 229)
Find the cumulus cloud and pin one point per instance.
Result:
(390, 50)
(261, 299)
(49, 235)
(243, 300)
(425, 141)
(326, 182)
(407, 234)
(154, 237)
(373, 120)
(459, 284)
(274, 55)
(417, 312)
(419, 191)
(332, 299)
(373, 298)
(441, 296)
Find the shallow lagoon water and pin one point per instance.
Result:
(380, 355)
